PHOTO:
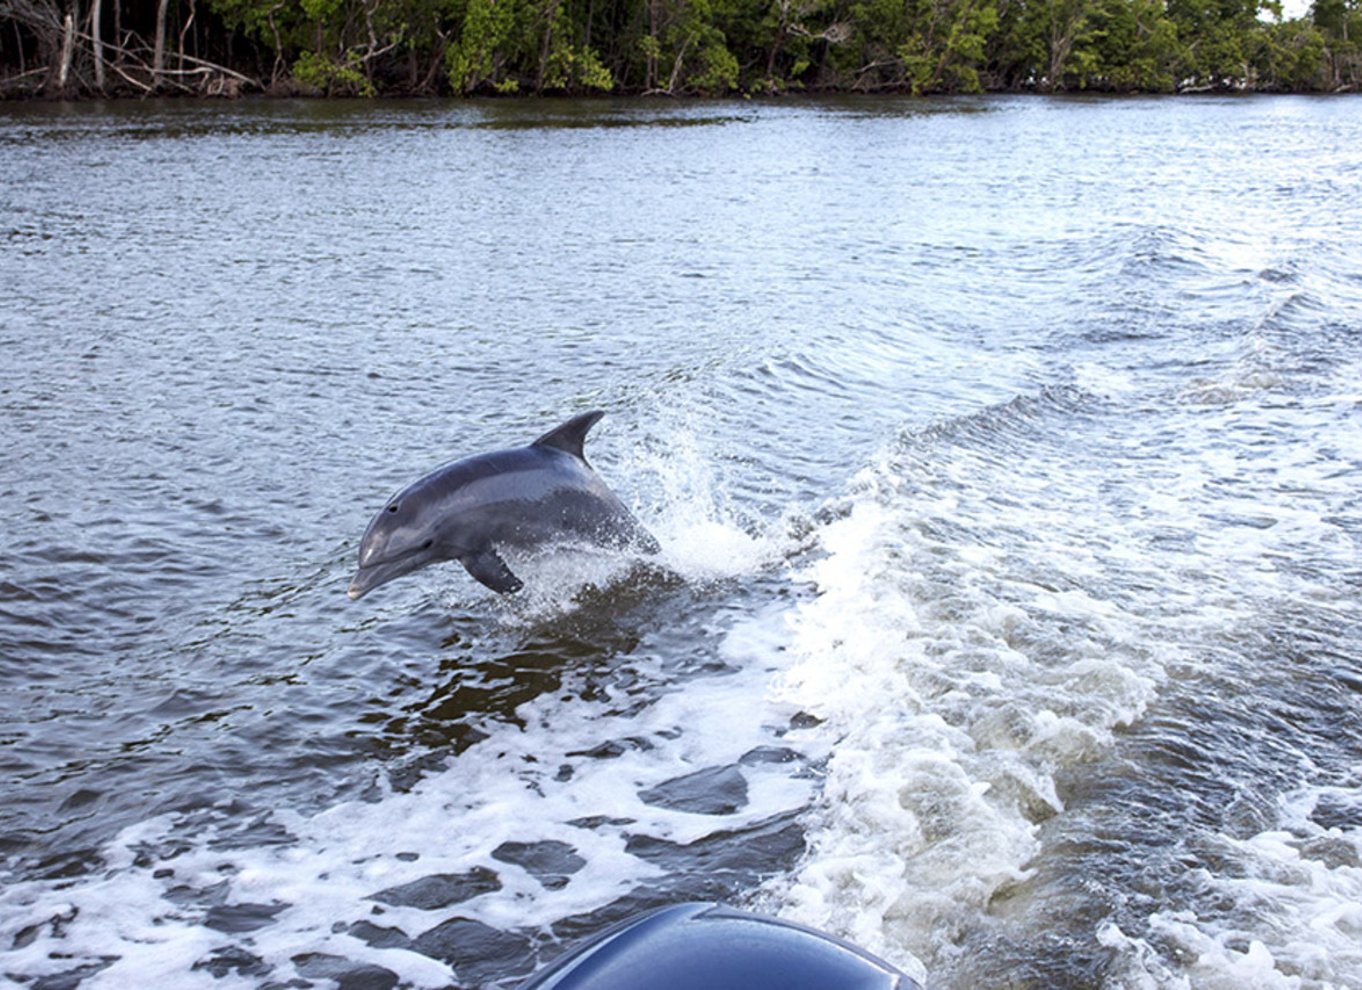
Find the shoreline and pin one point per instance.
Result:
(266, 95)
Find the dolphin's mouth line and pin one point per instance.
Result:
(378, 572)
(370, 576)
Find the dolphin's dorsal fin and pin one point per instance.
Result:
(571, 435)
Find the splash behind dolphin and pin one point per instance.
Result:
(523, 497)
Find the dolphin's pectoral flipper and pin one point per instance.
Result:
(487, 567)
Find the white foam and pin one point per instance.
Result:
(704, 536)
(1099, 379)
(681, 498)
(1297, 896)
(508, 787)
(983, 622)
(946, 726)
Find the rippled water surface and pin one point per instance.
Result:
(1006, 455)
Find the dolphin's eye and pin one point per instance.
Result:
(393, 507)
(427, 545)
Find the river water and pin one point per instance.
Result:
(1006, 455)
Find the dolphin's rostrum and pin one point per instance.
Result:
(523, 497)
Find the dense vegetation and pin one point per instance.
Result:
(85, 47)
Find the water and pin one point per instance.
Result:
(1005, 454)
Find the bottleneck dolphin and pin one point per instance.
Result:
(523, 497)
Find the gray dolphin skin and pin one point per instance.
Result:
(525, 497)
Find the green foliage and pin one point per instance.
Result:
(321, 10)
(567, 67)
(1136, 46)
(717, 47)
(333, 77)
(485, 36)
(1217, 32)
(1293, 56)
(250, 16)
(716, 69)
(685, 47)
(965, 47)
(512, 46)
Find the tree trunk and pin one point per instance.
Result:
(184, 31)
(650, 70)
(545, 46)
(68, 49)
(19, 47)
(782, 31)
(676, 67)
(158, 56)
(97, 42)
(1059, 54)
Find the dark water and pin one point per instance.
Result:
(1006, 453)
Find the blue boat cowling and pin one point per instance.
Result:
(707, 946)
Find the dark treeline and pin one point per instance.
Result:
(70, 48)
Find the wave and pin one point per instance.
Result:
(956, 682)
(1007, 610)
